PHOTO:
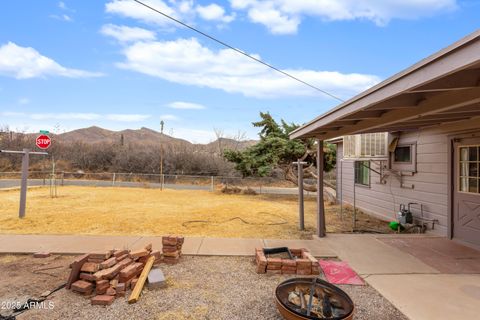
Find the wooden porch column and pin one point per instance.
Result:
(320, 204)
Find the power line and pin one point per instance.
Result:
(239, 51)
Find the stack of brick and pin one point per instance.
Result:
(261, 260)
(172, 249)
(108, 275)
(303, 263)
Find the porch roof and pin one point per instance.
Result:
(445, 87)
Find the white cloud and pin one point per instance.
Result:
(126, 34)
(186, 61)
(170, 117)
(131, 9)
(284, 16)
(185, 105)
(23, 101)
(127, 117)
(62, 17)
(71, 116)
(26, 62)
(184, 10)
(214, 12)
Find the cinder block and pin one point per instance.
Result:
(156, 279)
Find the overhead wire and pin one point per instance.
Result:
(240, 51)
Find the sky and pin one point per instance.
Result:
(116, 64)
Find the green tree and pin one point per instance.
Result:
(275, 150)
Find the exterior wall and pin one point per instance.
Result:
(338, 170)
(431, 181)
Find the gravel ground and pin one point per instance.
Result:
(198, 288)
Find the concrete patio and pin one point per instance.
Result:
(425, 277)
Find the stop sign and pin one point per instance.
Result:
(43, 141)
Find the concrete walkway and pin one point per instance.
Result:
(417, 289)
(73, 244)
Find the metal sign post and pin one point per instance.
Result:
(23, 187)
(301, 211)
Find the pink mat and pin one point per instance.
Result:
(339, 272)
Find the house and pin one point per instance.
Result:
(413, 138)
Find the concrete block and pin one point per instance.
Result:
(156, 279)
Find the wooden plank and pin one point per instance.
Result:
(141, 281)
(76, 266)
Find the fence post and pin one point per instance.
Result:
(212, 184)
(63, 177)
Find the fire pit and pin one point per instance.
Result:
(314, 299)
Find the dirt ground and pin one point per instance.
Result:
(198, 288)
(133, 211)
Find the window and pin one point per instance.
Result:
(404, 158)
(362, 173)
(469, 169)
(366, 145)
(403, 154)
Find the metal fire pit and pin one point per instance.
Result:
(327, 302)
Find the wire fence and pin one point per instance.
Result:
(263, 185)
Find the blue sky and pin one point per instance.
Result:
(115, 64)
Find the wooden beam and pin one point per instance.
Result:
(320, 204)
(366, 114)
(436, 104)
(464, 79)
(141, 281)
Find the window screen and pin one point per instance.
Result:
(403, 154)
(362, 173)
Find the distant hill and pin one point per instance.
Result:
(145, 136)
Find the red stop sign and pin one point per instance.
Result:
(43, 141)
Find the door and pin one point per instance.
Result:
(466, 195)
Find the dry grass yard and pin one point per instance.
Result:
(133, 211)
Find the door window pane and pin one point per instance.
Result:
(473, 169)
(464, 184)
(464, 154)
(473, 154)
(463, 169)
(473, 185)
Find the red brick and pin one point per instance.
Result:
(133, 283)
(109, 273)
(108, 263)
(119, 253)
(87, 276)
(95, 260)
(125, 262)
(139, 253)
(122, 257)
(261, 268)
(82, 286)
(90, 267)
(304, 271)
(111, 292)
(289, 263)
(120, 287)
(102, 300)
(130, 271)
(41, 255)
(101, 255)
(174, 254)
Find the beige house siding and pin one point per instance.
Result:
(430, 182)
